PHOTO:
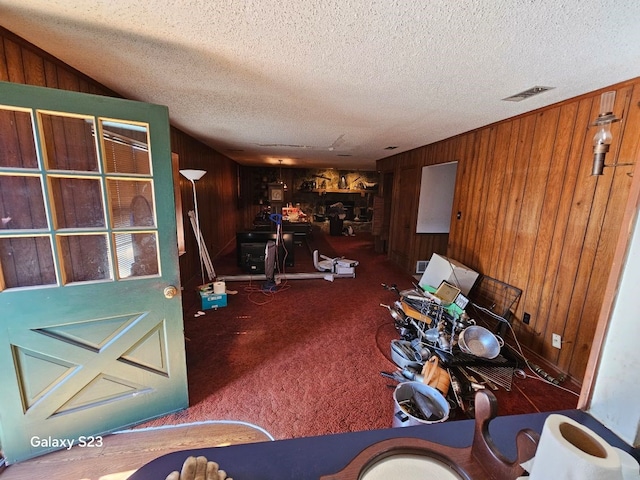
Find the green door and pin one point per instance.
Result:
(91, 332)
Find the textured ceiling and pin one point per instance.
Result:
(331, 83)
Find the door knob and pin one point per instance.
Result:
(170, 291)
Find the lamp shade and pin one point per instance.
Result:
(193, 175)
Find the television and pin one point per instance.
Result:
(250, 250)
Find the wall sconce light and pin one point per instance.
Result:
(602, 139)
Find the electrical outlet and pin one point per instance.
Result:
(556, 340)
(526, 318)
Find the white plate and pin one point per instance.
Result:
(410, 467)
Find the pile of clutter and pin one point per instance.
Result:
(442, 356)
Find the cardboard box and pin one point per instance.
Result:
(441, 269)
(213, 300)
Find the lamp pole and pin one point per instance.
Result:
(192, 176)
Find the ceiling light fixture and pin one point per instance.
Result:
(280, 179)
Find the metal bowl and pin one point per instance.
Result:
(462, 346)
(480, 342)
(404, 355)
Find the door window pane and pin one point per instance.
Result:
(17, 146)
(137, 254)
(126, 148)
(84, 258)
(67, 197)
(69, 143)
(21, 203)
(131, 203)
(26, 262)
(77, 202)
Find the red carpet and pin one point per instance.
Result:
(305, 360)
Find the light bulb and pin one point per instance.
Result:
(603, 136)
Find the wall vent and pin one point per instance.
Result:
(421, 266)
(518, 97)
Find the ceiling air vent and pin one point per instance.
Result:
(391, 147)
(518, 97)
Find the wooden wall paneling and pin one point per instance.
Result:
(569, 284)
(455, 246)
(11, 140)
(213, 205)
(387, 193)
(574, 354)
(207, 200)
(456, 233)
(553, 158)
(449, 154)
(68, 81)
(13, 57)
(556, 260)
(486, 208)
(575, 320)
(609, 218)
(475, 207)
(536, 161)
(543, 262)
(524, 271)
(580, 320)
(4, 72)
(498, 193)
(386, 165)
(189, 262)
(51, 74)
(394, 222)
(549, 227)
(468, 179)
(630, 134)
(14, 190)
(227, 188)
(514, 202)
(467, 174)
(402, 228)
(501, 262)
(34, 68)
(421, 242)
(631, 209)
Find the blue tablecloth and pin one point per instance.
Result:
(312, 457)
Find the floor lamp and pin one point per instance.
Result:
(192, 176)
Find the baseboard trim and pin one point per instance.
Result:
(566, 380)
